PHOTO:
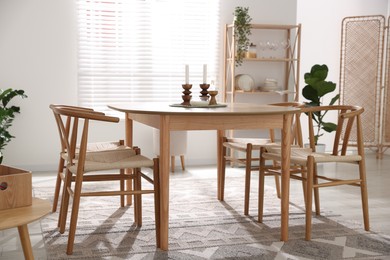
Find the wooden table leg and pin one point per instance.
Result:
(25, 241)
(164, 180)
(286, 152)
(220, 134)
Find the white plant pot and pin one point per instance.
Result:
(320, 148)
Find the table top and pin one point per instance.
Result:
(163, 108)
(23, 215)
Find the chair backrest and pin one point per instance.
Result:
(347, 117)
(68, 119)
(66, 122)
(296, 129)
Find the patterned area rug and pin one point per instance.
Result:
(201, 227)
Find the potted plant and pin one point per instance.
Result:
(317, 87)
(242, 30)
(7, 115)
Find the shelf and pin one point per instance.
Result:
(286, 71)
(271, 92)
(267, 59)
(271, 26)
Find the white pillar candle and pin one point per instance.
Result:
(187, 78)
(204, 73)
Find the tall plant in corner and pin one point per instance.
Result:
(242, 30)
(317, 87)
(7, 115)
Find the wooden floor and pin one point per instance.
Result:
(343, 200)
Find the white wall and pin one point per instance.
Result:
(321, 30)
(38, 48)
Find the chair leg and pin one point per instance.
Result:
(58, 184)
(122, 187)
(309, 196)
(172, 163)
(304, 183)
(182, 162)
(277, 186)
(65, 202)
(156, 184)
(75, 212)
(122, 182)
(129, 187)
(130, 182)
(277, 182)
(316, 190)
(223, 168)
(261, 186)
(248, 169)
(363, 190)
(125, 184)
(137, 198)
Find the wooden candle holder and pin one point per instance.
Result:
(204, 93)
(187, 94)
(213, 93)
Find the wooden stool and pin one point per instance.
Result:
(178, 146)
(173, 163)
(20, 217)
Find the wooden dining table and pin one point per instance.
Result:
(166, 118)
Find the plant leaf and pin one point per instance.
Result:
(7, 114)
(329, 126)
(310, 93)
(317, 73)
(334, 99)
(325, 87)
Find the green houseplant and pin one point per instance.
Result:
(7, 115)
(242, 30)
(317, 87)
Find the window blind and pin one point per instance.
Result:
(136, 50)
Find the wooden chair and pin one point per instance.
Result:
(248, 146)
(91, 147)
(83, 166)
(347, 118)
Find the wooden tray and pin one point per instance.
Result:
(199, 104)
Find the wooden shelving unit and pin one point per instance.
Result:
(289, 57)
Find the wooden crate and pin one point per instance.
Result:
(15, 187)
